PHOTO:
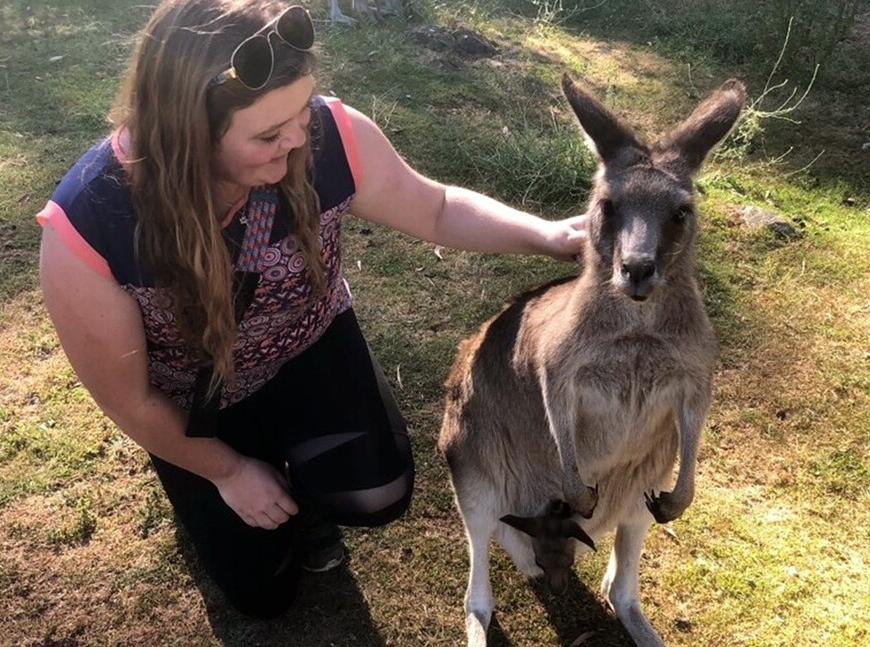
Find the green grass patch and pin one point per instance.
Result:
(772, 552)
(78, 529)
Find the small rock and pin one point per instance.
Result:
(865, 146)
(463, 42)
(682, 624)
(436, 38)
(472, 44)
(756, 218)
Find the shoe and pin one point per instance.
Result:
(321, 541)
(320, 560)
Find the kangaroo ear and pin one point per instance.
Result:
(688, 144)
(529, 525)
(575, 531)
(614, 141)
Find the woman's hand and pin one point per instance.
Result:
(566, 238)
(257, 492)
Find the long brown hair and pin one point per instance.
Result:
(175, 123)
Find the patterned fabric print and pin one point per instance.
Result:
(262, 203)
(279, 324)
(169, 360)
(282, 321)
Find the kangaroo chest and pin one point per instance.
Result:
(625, 389)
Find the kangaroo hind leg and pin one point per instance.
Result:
(480, 525)
(619, 586)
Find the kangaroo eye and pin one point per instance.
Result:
(681, 214)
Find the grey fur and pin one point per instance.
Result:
(599, 380)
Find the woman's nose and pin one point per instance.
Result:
(293, 138)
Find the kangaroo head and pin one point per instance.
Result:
(553, 534)
(642, 217)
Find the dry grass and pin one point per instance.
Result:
(772, 552)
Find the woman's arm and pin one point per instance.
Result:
(393, 194)
(100, 329)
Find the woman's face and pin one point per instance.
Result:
(254, 149)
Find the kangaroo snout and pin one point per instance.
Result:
(637, 277)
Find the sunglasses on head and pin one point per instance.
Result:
(253, 61)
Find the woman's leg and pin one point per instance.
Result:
(330, 414)
(257, 569)
(341, 431)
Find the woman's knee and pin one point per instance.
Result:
(387, 514)
(370, 507)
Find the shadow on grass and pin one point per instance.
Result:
(572, 614)
(579, 611)
(329, 611)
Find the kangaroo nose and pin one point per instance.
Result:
(638, 270)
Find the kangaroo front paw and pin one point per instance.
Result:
(663, 506)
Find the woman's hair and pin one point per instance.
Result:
(175, 122)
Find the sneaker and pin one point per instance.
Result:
(322, 543)
(320, 560)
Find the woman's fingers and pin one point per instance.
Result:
(259, 520)
(282, 499)
(279, 510)
(266, 524)
(259, 495)
(579, 221)
(275, 515)
(286, 504)
(567, 237)
(577, 226)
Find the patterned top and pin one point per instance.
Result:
(92, 211)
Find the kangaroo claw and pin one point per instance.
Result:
(657, 504)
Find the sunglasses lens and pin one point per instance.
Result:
(253, 62)
(295, 28)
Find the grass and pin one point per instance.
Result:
(772, 552)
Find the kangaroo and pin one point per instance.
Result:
(564, 413)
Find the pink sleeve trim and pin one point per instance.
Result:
(348, 139)
(55, 217)
(120, 153)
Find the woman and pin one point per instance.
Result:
(191, 265)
